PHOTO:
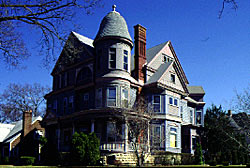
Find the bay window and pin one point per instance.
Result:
(157, 103)
(124, 98)
(111, 96)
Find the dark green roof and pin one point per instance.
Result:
(150, 53)
(113, 25)
(195, 90)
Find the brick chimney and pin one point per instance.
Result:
(140, 52)
(27, 121)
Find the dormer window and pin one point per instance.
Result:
(112, 58)
(166, 58)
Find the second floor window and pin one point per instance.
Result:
(125, 60)
(86, 100)
(111, 96)
(99, 97)
(112, 58)
(55, 106)
(198, 117)
(71, 102)
(65, 104)
(170, 100)
(175, 102)
(156, 103)
(191, 116)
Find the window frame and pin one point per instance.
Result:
(172, 78)
(125, 63)
(107, 98)
(124, 98)
(170, 102)
(111, 59)
(65, 105)
(153, 103)
(99, 97)
(173, 132)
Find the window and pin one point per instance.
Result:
(55, 106)
(172, 78)
(175, 102)
(191, 116)
(181, 110)
(85, 99)
(112, 58)
(111, 131)
(65, 104)
(98, 61)
(66, 79)
(157, 136)
(71, 102)
(170, 100)
(194, 141)
(111, 96)
(125, 60)
(99, 97)
(198, 117)
(124, 98)
(173, 137)
(156, 103)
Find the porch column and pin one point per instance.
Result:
(166, 134)
(58, 138)
(73, 128)
(148, 137)
(92, 125)
(125, 134)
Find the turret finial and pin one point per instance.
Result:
(114, 6)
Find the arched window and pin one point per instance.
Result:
(84, 76)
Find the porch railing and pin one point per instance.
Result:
(119, 147)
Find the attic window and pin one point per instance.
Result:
(166, 58)
(172, 78)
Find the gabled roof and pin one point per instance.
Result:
(195, 90)
(160, 71)
(5, 130)
(151, 52)
(85, 42)
(17, 129)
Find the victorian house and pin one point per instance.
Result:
(96, 80)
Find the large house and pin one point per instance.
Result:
(97, 80)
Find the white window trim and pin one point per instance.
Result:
(124, 55)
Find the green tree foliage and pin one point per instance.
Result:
(222, 141)
(198, 154)
(85, 149)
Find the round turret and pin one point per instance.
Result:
(113, 26)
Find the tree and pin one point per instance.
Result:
(138, 126)
(233, 3)
(221, 137)
(47, 16)
(242, 101)
(85, 149)
(17, 98)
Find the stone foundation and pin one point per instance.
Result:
(130, 159)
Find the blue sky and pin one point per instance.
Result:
(214, 53)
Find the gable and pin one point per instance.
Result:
(77, 48)
(167, 76)
(164, 64)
